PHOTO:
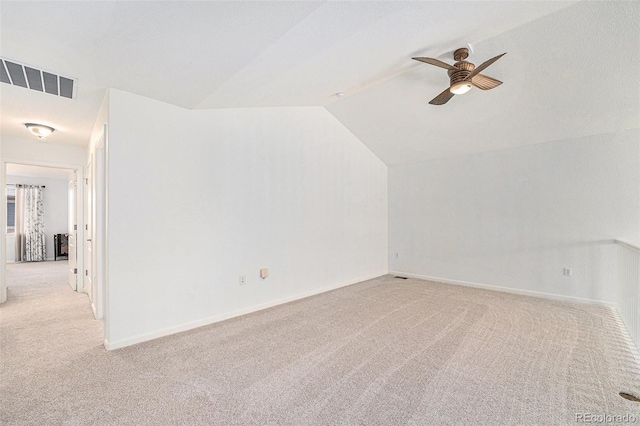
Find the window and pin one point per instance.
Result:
(11, 208)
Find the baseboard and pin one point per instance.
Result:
(93, 309)
(532, 293)
(217, 318)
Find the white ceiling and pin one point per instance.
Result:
(569, 74)
(563, 64)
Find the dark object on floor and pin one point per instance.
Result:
(629, 397)
(61, 246)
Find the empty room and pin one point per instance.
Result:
(320, 212)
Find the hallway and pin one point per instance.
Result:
(46, 330)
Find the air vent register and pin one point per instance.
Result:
(17, 74)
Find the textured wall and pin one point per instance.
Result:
(198, 198)
(516, 217)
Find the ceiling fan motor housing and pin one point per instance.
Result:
(464, 68)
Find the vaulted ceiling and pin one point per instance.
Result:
(570, 69)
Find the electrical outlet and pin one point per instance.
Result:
(568, 272)
(243, 279)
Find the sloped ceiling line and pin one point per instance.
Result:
(272, 54)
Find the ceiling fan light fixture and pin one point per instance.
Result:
(460, 88)
(40, 130)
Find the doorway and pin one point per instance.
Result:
(53, 211)
(40, 234)
(71, 269)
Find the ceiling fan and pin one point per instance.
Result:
(463, 75)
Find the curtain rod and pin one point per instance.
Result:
(24, 184)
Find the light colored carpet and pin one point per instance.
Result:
(382, 352)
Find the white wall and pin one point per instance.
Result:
(35, 151)
(55, 208)
(198, 198)
(515, 218)
(11, 248)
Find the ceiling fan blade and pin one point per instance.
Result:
(484, 82)
(484, 65)
(442, 98)
(436, 62)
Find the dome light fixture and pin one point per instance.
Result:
(461, 87)
(40, 130)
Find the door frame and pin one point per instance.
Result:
(72, 191)
(98, 157)
(79, 169)
(87, 243)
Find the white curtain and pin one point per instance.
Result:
(29, 229)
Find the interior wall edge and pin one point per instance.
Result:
(3, 235)
(348, 129)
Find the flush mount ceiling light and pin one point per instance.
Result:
(40, 130)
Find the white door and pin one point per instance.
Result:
(72, 236)
(88, 220)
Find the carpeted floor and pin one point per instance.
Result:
(382, 352)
